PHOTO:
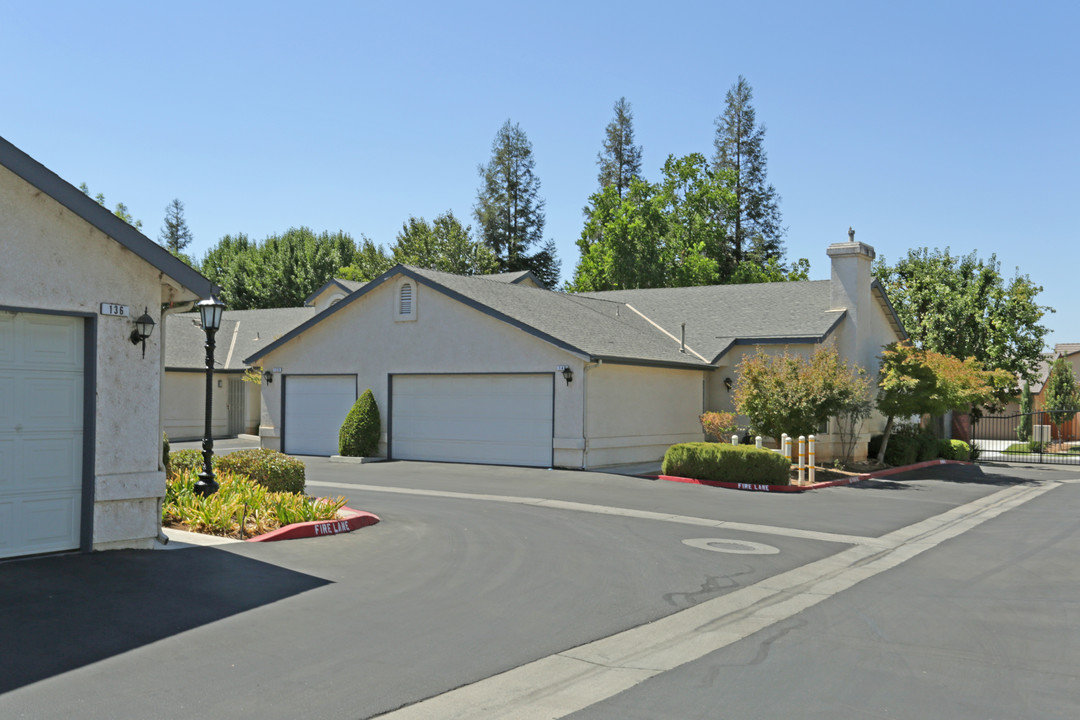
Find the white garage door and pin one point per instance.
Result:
(491, 419)
(315, 407)
(41, 429)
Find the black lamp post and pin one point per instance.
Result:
(210, 310)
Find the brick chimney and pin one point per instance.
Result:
(851, 281)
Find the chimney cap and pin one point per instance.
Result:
(851, 248)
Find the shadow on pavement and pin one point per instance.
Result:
(1002, 476)
(61, 613)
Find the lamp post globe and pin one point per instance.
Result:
(210, 311)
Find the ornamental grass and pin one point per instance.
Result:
(240, 507)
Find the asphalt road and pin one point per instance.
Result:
(517, 593)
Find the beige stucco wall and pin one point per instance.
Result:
(634, 414)
(54, 260)
(872, 336)
(446, 337)
(185, 405)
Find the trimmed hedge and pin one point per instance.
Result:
(910, 444)
(359, 434)
(180, 461)
(727, 463)
(275, 471)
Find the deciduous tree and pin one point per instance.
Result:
(913, 381)
(961, 306)
(793, 394)
(444, 245)
(509, 210)
(1062, 394)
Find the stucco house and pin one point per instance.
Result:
(80, 404)
(236, 399)
(489, 370)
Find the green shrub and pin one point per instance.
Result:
(928, 446)
(359, 435)
(181, 461)
(165, 454)
(237, 501)
(727, 463)
(954, 450)
(905, 445)
(275, 471)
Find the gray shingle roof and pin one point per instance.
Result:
(717, 316)
(242, 331)
(596, 327)
(346, 285)
(514, 277)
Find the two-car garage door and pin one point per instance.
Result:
(499, 419)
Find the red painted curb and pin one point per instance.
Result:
(348, 520)
(754, 487)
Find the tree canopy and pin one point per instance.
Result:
(753, 219)
(175, 234)
(915, 381)
(280, 271)
(962, 306)
(1062, 394)
(509, 210)
(620, 159)
(793, 394)
(667, 234)
(121, 211)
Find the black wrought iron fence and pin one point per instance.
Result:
(1039, 437)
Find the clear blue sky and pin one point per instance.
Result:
(919, 124)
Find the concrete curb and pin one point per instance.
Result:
(348, 460)
(350, 520)
(753, 487)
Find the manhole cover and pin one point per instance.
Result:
(738, 547)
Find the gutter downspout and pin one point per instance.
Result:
(585, 410)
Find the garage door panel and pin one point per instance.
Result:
(49, 523)
(52, 463)
(490, 419)
(315, 408)
(54, 341)
(41, 433)
(53, 401)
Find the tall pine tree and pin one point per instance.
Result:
(620, 160)
(754, 229)
(509, 210)
(175, 235)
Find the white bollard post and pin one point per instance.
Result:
(734, 439)
(812, 457)
(757, 442)
(783, 443)
(802, 457)
(785, 447)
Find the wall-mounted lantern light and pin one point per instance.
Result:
(144, 326)
(210, 311)
(268, 377)
(567, 373)
(728, 384)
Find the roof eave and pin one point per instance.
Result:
(101, 218)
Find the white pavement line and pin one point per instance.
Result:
(622, 512)
(564, 683)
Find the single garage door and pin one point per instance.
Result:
(315, 407)
(490, 419)
(41, 430)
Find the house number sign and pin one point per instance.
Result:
(114, 309)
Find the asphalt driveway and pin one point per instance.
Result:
(474, 571)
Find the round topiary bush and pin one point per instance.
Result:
(359, 436)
